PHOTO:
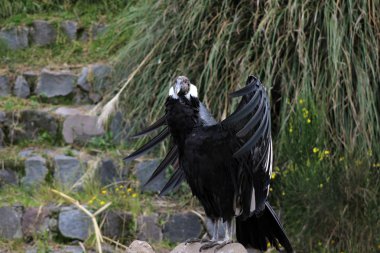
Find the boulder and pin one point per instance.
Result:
(2, 135)
(118, 225)
(35, 171)
(148, 228)
(43, 33)
(10, 223)
(181, 227)
(70, 28)
(194, 248)
(81, 128)
(5, 89)
(107, 172)
(144, 170)
(31, 77)
(100, 77)
(35, 220)
(21, 88)
(8, 177)
(83, 82)
(118, 128)
(140, 247)
(54, 84)
(67, 170)
(15, 38)
(31, 124)
(74, 224)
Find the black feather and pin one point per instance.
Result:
(157, 139)
(174, 181)
(169, 159)
(151, 128)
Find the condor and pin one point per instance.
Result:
(227, 164)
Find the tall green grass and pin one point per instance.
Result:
(325, 53)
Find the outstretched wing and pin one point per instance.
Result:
(172, 156)
(250, 126)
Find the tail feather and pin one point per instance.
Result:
(257, 231)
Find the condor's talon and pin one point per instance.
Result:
(222, 244)
(194, 240)
(208, 245)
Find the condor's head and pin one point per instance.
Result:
(182, 106)
(182, 88)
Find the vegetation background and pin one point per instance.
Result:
(320, 63)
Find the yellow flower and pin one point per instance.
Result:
(319, 243)
(301, 101)
(273, 176)
(117, 189)
(134, 195)
(283, 193)
(90, 202)
(341, 158)
(268, 244)
(270, 189)
(290, 130)
(104, 192)
(129, 189)
(321, 185)
(102, 203)
(327, 152)
(308, 121)
(315, 150)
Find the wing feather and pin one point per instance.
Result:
(169, 159)
(148, 146)
(160, 122)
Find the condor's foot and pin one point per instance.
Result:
(194, 240)
(218, 244)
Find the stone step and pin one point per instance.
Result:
(43, 33)
(59, 125)
(69, 84)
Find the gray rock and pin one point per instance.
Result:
(2, 135)
(148, 228)
(67, 170)
(3, 117)
(35, 171)
(5, 89)
(8, 177)
(81, 97)
(101, 77)
(21, 88)
(118, 128)
(181, 227)
(144, 170)
(70, 28)
(15, 38)
(81, 128)
(31, 250)
(31, 124)
(74, 224)
(98, 30)
(194, 248)
(82, 79)
(94, 97)
(140, 247)
(28, 152)
(31, 77)
(53, 84)
(10, 223)
(35, 221)
(118, 225)
(107, 172)
(43, 33)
